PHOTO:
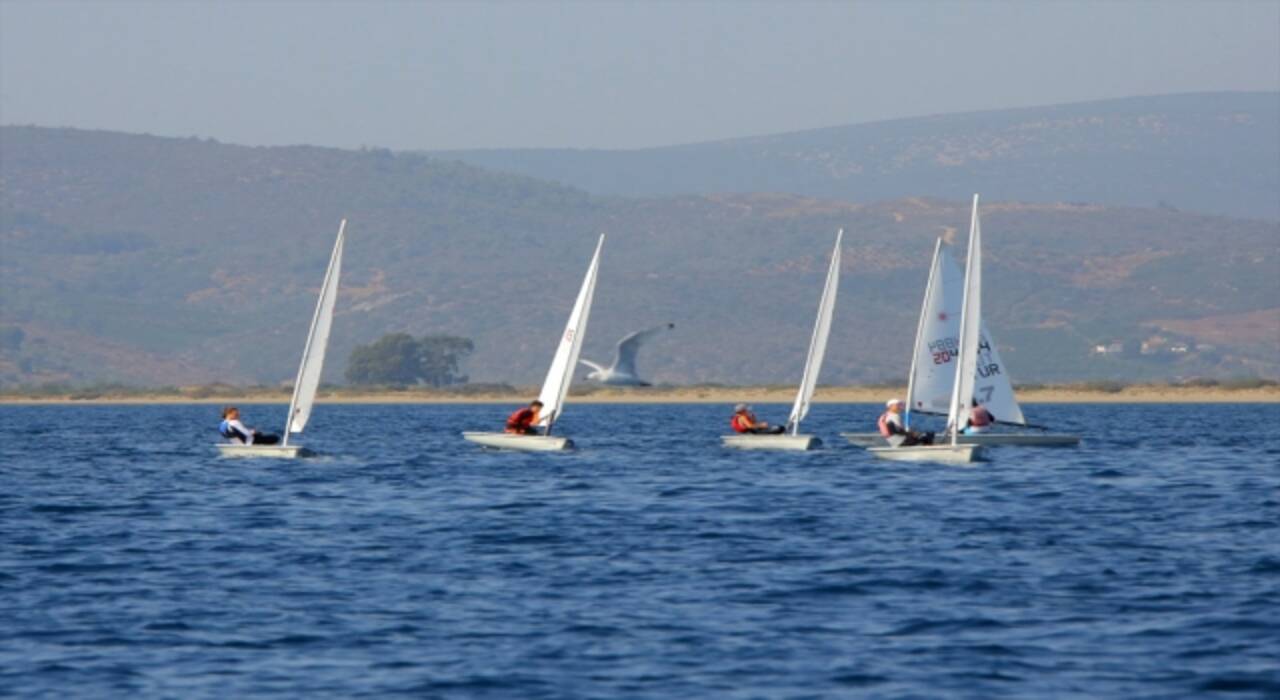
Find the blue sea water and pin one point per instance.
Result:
(649, 563)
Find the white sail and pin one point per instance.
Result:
(560, 375)
(970, 318)
(992, 386)
(933, 364)
(308, 381)
(933, 373)
(818, 343)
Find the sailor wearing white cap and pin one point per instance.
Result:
(894, 432)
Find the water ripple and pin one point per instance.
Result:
(650, 563)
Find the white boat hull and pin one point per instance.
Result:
(268, 451)
(865, 439)
(771, 442)
(986, 439)
(943, 454)
(515, 441)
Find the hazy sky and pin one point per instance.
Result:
(411, 75)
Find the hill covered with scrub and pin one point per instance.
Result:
(164, 261)
(1215, 153)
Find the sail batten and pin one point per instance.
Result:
(560, 374)
(818, 341)
(312, 366)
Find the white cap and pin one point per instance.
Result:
(740, 407)
(891, 402)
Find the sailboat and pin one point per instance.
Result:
(963, 380)
(309, 370)
(559, 377)
(791, 439)
(934, 360)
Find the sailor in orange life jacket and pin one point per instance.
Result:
(523, 420)
(979, 419)
(744, 421)
(893, 431)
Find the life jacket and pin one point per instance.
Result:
(521, 419)
(740, 422)
(230, 433)
(887, 429)
(980, 417)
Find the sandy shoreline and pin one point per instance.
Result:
(724, 395)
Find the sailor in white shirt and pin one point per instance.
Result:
(235, 431)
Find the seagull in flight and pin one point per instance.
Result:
(623, 370)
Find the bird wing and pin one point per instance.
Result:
(625, 360)
(592, 365)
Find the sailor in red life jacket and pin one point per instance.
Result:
(744, 421)
(523, 420)
(979, 419)
(894, 432)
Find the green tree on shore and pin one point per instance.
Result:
(401, 359)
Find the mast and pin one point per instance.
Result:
(915, 349)
(966, 362)
(327, 292)
(818, 341)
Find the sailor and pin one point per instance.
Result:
(235, 431)
(523, 420)
(744, 421)
(979, 419)
(893, 431)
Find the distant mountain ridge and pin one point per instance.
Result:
(1214, 153)
(169, 261)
